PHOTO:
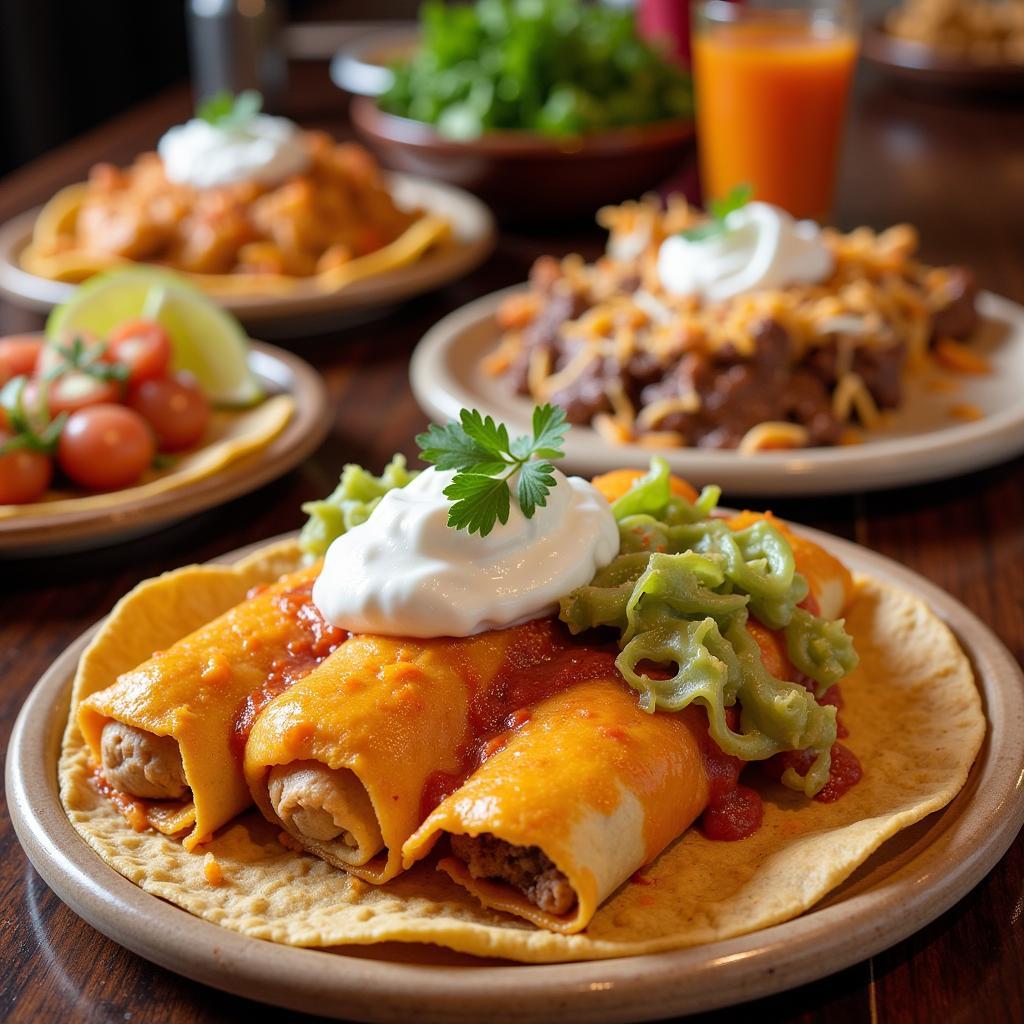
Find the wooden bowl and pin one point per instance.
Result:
(526, 176)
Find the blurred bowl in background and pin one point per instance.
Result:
(527, 176)
(923, 65)
(361, 67)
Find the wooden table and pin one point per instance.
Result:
(957, 171)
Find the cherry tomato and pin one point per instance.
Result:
(104, 447)
(24, 474)
(73, 391)
(21, 353)
(175, 408)
(144, 347)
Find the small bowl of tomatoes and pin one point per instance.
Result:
(93, 414)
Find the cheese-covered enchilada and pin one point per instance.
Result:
(510, 788)
(167, 737)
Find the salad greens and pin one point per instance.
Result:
(557, 67)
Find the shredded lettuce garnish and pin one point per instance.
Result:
(680, 594)
(349, 504)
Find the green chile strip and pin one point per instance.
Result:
(680, 594)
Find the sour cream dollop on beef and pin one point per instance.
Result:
(405, 572)
(760, 247)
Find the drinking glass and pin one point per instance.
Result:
(772, 84)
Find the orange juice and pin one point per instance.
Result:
(771, 100)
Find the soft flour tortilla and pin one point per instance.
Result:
(230, 436)
(915, 721)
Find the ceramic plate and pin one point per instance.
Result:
(279, 372)
(307, 309)
(922, 442)
(909, 882)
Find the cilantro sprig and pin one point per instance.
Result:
(87, 358)
(225, 110)
(31, 425)
(719, 209)
(486, 459)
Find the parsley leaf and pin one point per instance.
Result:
(535, 481)
(738, 197)
(486, 460)
(226, 111)
(719, 210)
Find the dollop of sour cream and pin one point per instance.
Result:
(265, 149)
(762, 246)
(405, 572)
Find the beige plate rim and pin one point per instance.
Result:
(445, 375)
(474, 230)
(887, 900)
(279, 371)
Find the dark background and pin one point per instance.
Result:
(68, 65)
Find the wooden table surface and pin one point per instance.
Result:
(954, 169)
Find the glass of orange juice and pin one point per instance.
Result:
(772, 84)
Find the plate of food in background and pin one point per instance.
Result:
(279, 225)
(973, 45)
(142, 403)
(561, 94)
(334, 775)
(770, 355)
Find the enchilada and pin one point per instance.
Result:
(167, 737)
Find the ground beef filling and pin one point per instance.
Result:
(735, 391)
(526, 868)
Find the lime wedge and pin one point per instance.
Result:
(208, 341)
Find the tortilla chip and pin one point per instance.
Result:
(230, 436)
(915, 721)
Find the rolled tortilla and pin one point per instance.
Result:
(352, 759)
(586, 791)
(167, 737)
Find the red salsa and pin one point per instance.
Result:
(542, 659)
(316, 640)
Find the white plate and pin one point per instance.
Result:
(910, 881)
(920, 442)
(307, 309)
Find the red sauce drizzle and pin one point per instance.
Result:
(542, 659)
(733, 811)
(316, 640)
(134, 809)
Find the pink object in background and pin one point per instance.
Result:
(667, 22)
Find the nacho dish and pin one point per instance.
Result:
(741, 329)
(513, 713)
(244, 203)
